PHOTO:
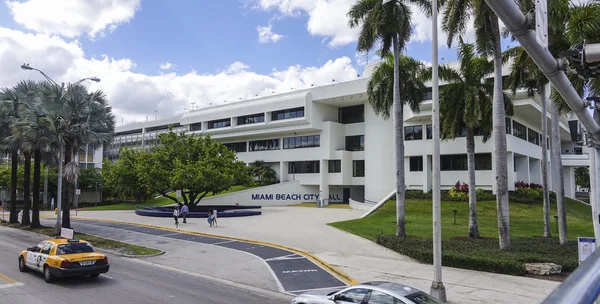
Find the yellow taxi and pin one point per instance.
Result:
(59, 258)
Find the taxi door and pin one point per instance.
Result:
(32, 256)
(43, 256)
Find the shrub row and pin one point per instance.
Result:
(484, 255)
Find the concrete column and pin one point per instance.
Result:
(283, 171)
(427, 173)
(324, 185)
(569, 180)
(234, 121)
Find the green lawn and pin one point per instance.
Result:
(160, 201)
(526, 223)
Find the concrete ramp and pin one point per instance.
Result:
(379, 204)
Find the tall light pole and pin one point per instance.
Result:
(61, 145)
(437, 287)
(155, 114)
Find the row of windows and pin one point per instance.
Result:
(302, 142)
(220, 123)
(454, 162)
(416, 132)
(335, 166)
(287, 114)
(250, 119)
(264, 145)
(237, 147)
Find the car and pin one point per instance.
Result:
(378, 292)
(60, 258)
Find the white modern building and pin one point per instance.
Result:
(327, 142)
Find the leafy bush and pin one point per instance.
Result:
(417, 194)
(457, 194)
(484, 255)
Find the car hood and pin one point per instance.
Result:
(321, 293)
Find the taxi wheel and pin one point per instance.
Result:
(22, 266)
(95, 275)
(48, 277)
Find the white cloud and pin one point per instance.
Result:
(134, 95)
(165, 66)
(72, 18)
(326, 18)
(266, 35)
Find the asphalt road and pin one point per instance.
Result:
(128, 281)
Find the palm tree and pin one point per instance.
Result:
(526, 75)
(9, 104)
(380, 90)
(487, 31)
(265, 174)
(33, 129)
(389, 24)
(466, 105)
(79, 118)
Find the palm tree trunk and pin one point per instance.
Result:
(37, 164)
(473, 227)
(557, 176)
(66, 211)
(25, 220)
(499, 134)
(14, 158)
(399, 141)
(545, 188)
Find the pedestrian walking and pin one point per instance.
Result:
(176, 216)
(215, 217)
(209, 218)
(184, 213)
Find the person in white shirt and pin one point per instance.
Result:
(176, 216)
(215, 217)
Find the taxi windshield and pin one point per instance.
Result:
(74, 248)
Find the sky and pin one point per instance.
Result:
(164, 55)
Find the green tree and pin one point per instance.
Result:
(9, 104)
(466, 106)
(582, 177)
(390, 25)
(90, 178)
(121, 180)
(196, 165)
(487, 31)
(263, 173)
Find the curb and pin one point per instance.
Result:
(345, 277)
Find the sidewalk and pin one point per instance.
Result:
(306, 229)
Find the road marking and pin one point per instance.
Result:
(286, 257)
(225, 242)
(299, 271)
(305, 290)
(108, 277)
(6, 279)
(11, 285)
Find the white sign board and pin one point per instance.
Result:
(585, 248)
(66, 233)
(179, 193)
(541, 22)
(77, 191)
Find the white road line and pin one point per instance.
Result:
(284, 258)
(11, 285)
(108, 277)
(315, 289)
(225, 242)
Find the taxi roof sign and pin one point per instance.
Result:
(73, 240)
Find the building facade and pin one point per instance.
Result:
(327, 143)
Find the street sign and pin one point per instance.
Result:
(66, 233)
(585, 248)
(541, 22)
(77, 191)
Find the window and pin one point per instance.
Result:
(302, 167)
(413, 133)
(355, 143)
(288, 114)
(429, 130)
(302, 142)
(578, 151)
(423, 298)
(74, 248)
(196, 127)
(358, 168)
(90, 165)
(508, 126)
(335, 166)
(221, 123)
(378, 297)
(353, 114)
(47, 247)
(416, 163)
(354, 295)
(237, 147)
(428, 94)
(519, 130)
(250, 119)
(264, 145)
(163, 127)
(533, 137)
(455, 162)
(483, 161)
(90, 157)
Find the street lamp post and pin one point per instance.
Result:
(61, 145)
(155, 114)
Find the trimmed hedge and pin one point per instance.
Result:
(484, 255)
(481, 196)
